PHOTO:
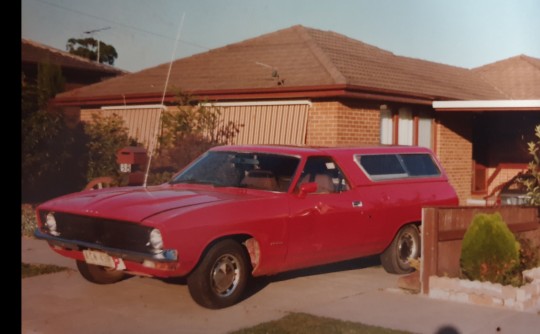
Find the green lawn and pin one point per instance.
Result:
(300, 323)
(29, 270)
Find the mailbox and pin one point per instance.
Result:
(132, 155)
(131, 158)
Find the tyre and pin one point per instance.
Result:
(99, 274)
(405, 245)
(221, 277)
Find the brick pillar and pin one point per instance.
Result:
(454, 150)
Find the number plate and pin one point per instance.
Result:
(102, 259)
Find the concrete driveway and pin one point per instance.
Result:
(357, 290)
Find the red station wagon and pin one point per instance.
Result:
(241, 211)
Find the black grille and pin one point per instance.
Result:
(108, 233)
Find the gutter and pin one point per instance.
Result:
(487, 105)
(277, 93)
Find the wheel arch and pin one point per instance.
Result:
(247, 241)
(416, 224)
(405, 244)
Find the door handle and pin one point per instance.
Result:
(357, 204)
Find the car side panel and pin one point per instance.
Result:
(393, 204)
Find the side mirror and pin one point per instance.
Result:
(307, 188)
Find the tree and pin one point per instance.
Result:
(50, 81)
(190, 130)
(88, 48)
(48, 153)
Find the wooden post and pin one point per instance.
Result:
(429, 253)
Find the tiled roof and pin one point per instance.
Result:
(517, 78)
(300, 57)
(34, 52)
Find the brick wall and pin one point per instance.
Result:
(337, 123)
(86, 114)
(503, 176)
(454, 150)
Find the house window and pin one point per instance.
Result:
(424, 131)
(406, 127)
(387, 127)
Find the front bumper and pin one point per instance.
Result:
(167, 256)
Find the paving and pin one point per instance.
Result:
(359, 291)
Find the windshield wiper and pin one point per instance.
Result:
(197, 181)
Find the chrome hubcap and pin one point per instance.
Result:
(225, 275)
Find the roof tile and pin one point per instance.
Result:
(516, 77)
(301, 57)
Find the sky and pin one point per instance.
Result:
(465, 33)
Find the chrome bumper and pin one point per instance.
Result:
(166, 256)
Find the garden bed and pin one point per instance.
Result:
(524, 298)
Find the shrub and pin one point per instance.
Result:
(50, 161)
(489, 251)
(528, 254)
(28, 220)
(106, 135)
(533, 184)
(188, 131)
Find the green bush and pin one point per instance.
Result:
(187, 132)
(533, 184)
(106, 135)
(28, 220)
(51, 159)
(489, 251)
(528, 254)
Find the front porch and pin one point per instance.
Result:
(499, 138)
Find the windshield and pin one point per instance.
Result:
(264, 171)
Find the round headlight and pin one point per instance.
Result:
(156, 241)
(50, 222)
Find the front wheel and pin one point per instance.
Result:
(406, 245)
(99, 274)
(221, 277)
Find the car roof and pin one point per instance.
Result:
(313, 150)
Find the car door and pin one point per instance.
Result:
(328, 225)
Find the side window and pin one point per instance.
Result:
(326, 173)
(420, 165)
(398, 166)
(380, 165)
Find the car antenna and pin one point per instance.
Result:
(155, 137)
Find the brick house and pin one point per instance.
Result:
(77, 71)
(302, 86)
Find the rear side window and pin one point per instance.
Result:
(420, 165)
(397, 166)
(382, 165)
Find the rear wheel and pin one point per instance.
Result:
(99, 274)
(221, 277)
(406, 244)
